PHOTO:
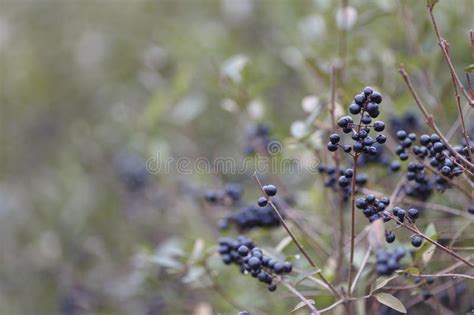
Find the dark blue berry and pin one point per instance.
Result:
(332, 147)
(359, 99)
(413, 213)
(416, 240)
(343, 181)
(379, 126)
(376, 97)
(354, 109)
(390, 237)
(270, 190)
(262, 201)
(401, 135)
(334, 138)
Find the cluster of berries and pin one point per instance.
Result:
(430, 147)
(343, 182)
(249, 217)
(250, 259)
(412, 214)
(257, 138)
(374, 208)
(231, 195)
(388, 260)
(365, 104)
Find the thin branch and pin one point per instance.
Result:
(330, 307)
(453, 275)
(313, 309)
(447, 57)
(431, 206)
(298, 244)
(418, 232)
(359, 272)
(430, 120)
(338, 224)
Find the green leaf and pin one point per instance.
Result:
(428, 254)
(430, 231)
(197, 250)
(391, 302)
(300, 305)
(469, 69)
(382, 281)
(431, 3)
(412, 271)
(305, 274)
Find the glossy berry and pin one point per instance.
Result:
(381, 138)
(390, 237)
(425, 139)
(366, 119)
(272, 287)
(354, 109)
(344, 121)
(379, 126)
(243, 250)
(416, 241)
(270, 190)
(332, 147)
(413, 213)
(262, 201)
(347, 148)
(376, 97)
(334, 138)
(401, 134)
(368, 90)
(343, 181)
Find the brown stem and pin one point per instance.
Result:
(428, 239)
(447, 57)
(313, 309)
(293, 237)
(339, 224)
(430, 120)
(353, 182)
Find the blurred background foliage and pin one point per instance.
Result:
(91, 89)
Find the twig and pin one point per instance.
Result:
(430, 121)
(298, 244)
(339, 228)
(313, 309)
(454, 275)
(432, 206)
(359, 272)
(447, 57)
(416, 231)
(330, 307)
